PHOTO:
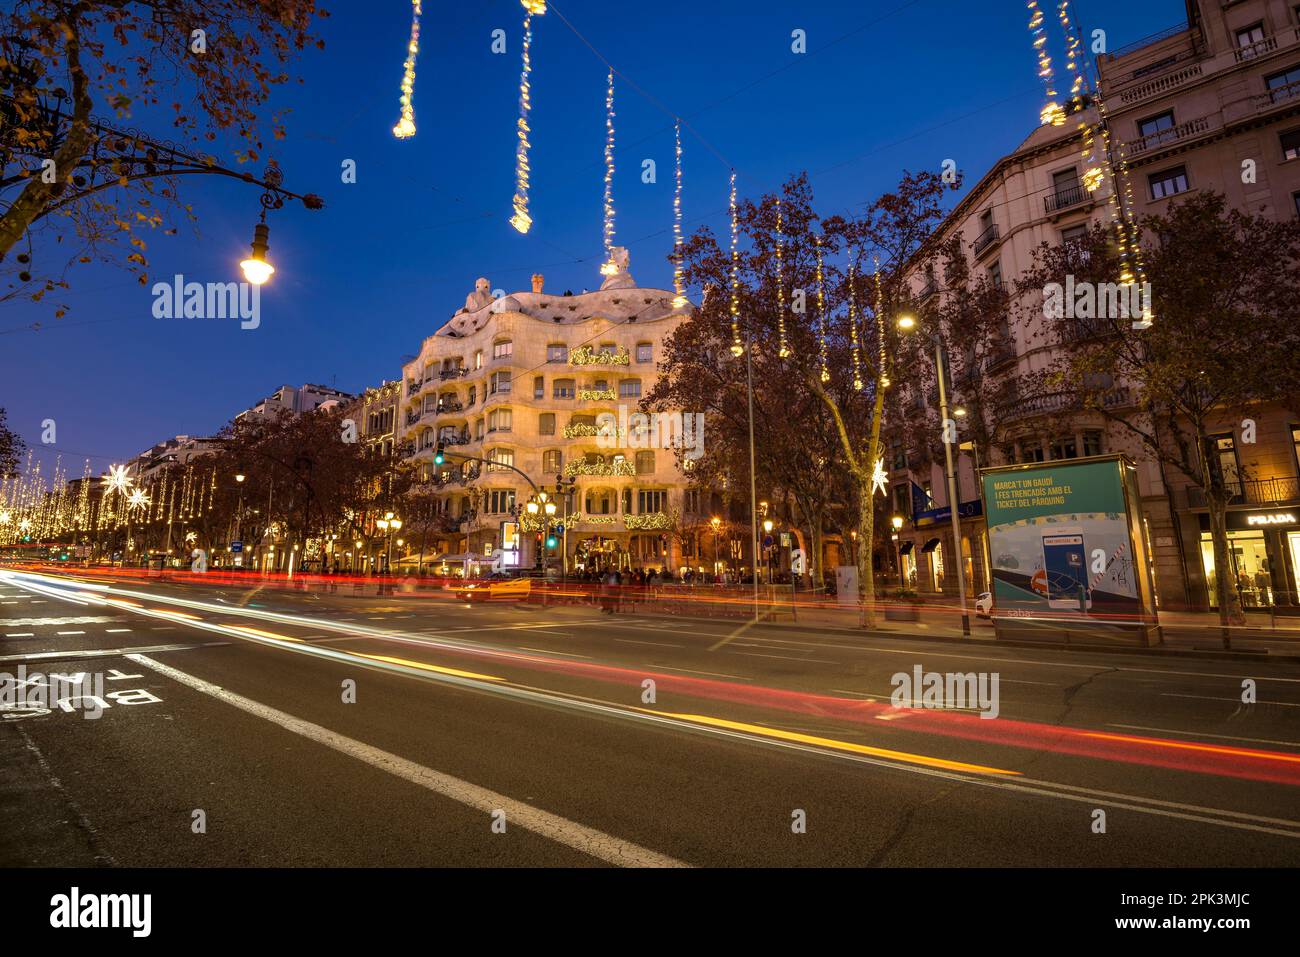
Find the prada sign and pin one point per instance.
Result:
(1259, 521)
(1271, 518)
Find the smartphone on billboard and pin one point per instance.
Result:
(1066, 567)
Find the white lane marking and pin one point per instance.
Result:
(74, 620)
(711, 674)
(548, 651)
(579, 837)
(69, 632)
(759, 654)
(21, 634)
(1206, 734)
(115, 631)
(1206, 697)
(106, 652)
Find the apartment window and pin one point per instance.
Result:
(1291, 144)
(627, 501)
(557, 352)
(1169, 183)
(1064, 448)
(1074, 234)
(1282, 86)
(1031, 452)
(601, 385)
(645, 463)
(598, 503)
(478, 430)
(500, 420)
(1225, 462)
(629, 389)
(539, 387)
(902, 500)
(1092, 442)
(500, 501)
(650, 500)
(478, 359)
(1153, 127)
(986, 220)
(500, 382)
(1247, 38)
(1295, 198)
(1295, 445)
(500, 459)
(564, 389)
(645, 352)
(501, 350)
(995, 275)
(1065, 187)
(691, 497)
(897, 455)
(552, 462)
(546, 423)
(473, 395)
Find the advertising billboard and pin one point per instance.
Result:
(1068, 557)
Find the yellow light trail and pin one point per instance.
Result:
(424, 666)
(1188, 746)
(849, 746)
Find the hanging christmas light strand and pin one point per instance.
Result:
(1093, 173)
(784, 348)
(880, 323)
(680, 299)
(737, 348)
(1051, 113)
(853, 332)
(406, 125)
(609, 268)
(821, 314)
(522, 220)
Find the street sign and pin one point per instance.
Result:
(236, 547)
(796, 561)
(767, 541)
(785, 539)
(558, 530)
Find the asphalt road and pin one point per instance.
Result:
(303, 729)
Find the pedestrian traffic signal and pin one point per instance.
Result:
(438, 457)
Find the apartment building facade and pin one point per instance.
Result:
(514, 388)
(1212, 104)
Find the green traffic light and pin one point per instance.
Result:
(550, 541)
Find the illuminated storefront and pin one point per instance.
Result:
(1264, 549)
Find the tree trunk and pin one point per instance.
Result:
(1230, 612)
(816, 575)
(867, 518)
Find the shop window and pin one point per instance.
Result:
(1169, 183)
(1249, 571)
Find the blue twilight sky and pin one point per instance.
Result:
(885, 85)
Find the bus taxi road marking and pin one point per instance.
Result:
(106, 652)
(579, 837)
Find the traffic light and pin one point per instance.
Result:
(550, 541)
(438, 457)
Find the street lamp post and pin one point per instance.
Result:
(897, 522)
(906, 323)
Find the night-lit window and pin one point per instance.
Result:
(1283, 86)
(1295, 444)
(1064, 448)
(1169, 183)
(500, 501)
(499, 460)
(1092, 442)
(557, 352)
(645, 463)
(1154, 126)
(500, 382)
(629, 389)
(1291, 144)
(565, 389)
(651, 500)
(500, 420)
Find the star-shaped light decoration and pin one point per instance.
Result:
(5, 518)
(138, 499)
(191, 536)
(879, 477)
(117, 479)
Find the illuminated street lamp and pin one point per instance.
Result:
(897, 522)
(256, 269)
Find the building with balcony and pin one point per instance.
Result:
(1213, 103)
(374, 414)
(534, 388)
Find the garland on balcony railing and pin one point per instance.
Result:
(587, 356)
(650, 521)
(596, 395)
(600, 468)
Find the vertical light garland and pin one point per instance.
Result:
(609, 268)
(853, 331)
(737, 347)
(821, 314)
(784, 346)
(522, 220)
(680, 299)
(1093, 174)
(1052, 112)
(880, 323)
(406, 125)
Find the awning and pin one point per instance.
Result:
(906, 548)
(931, 545)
